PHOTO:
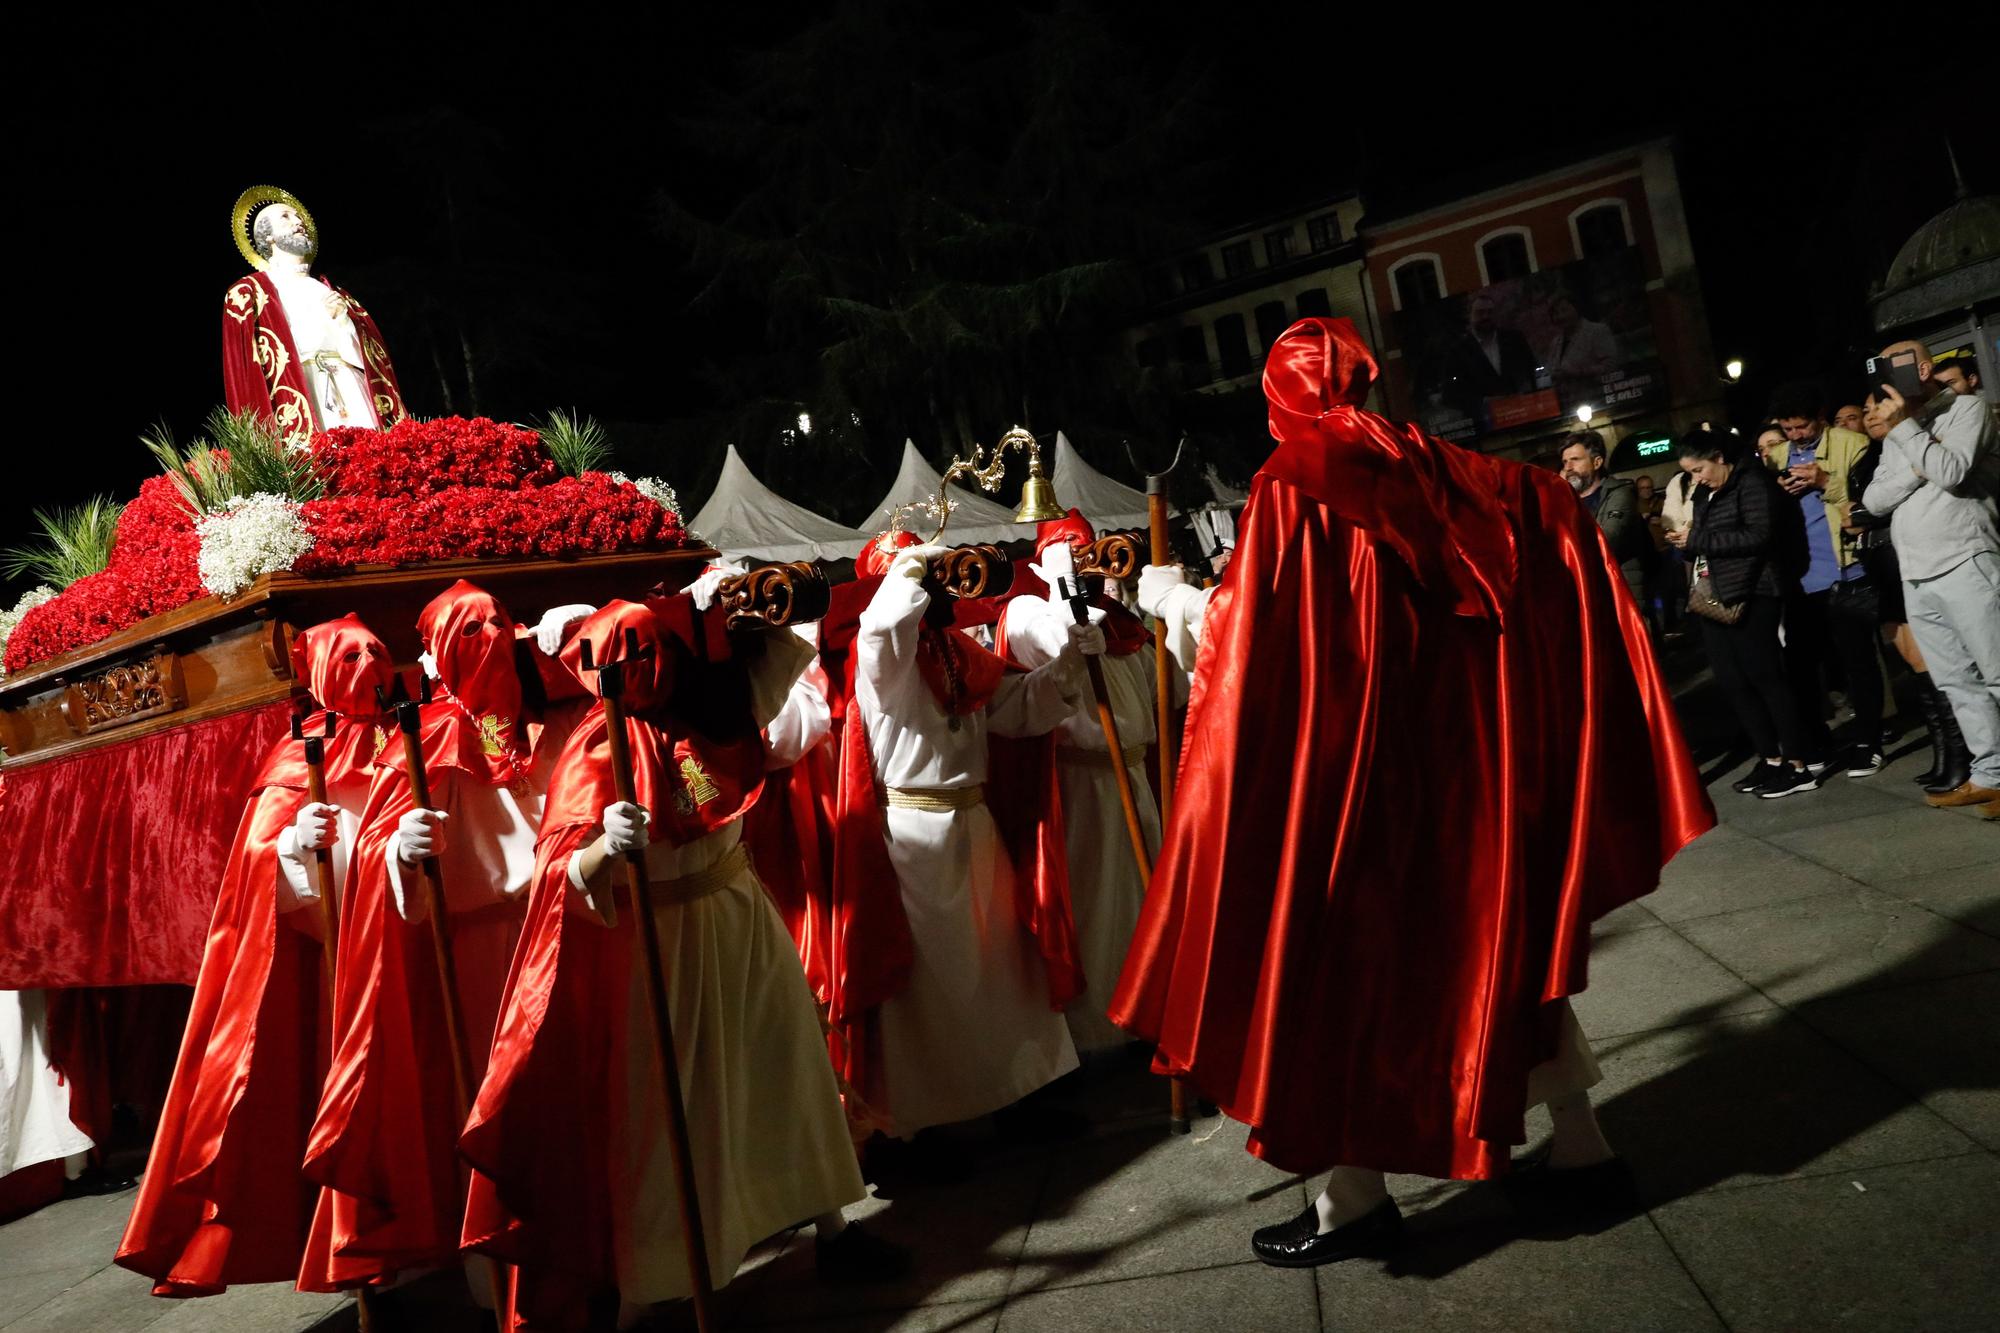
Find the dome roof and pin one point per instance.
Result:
(1967, 231)
(1951, 263)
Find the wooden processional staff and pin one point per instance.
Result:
(409, 721)
(610, 688)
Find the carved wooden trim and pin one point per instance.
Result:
(972, 572)
(1115, 555)
(127, 693)
(775, 596)
(277, 644)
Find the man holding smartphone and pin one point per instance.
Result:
(1831, 616)
(1939, 476)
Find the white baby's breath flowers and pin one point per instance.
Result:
(655, 490)
(251, 535)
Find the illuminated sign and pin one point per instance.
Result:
(1652, 446)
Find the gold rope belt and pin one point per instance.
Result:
(935, 799)
(701, 883)
(1131, 754)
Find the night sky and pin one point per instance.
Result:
(129, 145)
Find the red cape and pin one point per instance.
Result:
(261, 370)
(1427, 745)
(222, 1201)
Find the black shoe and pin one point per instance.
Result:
(1033, 1122)
(1753, 782)
(1788, 781)
(1864, 762)
(855, 1257)
(925, 1160)
(1299, 1244)
(1607, 1187)
(94, 1180)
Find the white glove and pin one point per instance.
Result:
(555, 623)
(709, 582)
(1155, 583)
(1087, 639)
(912, 562)
(625, 828)
(420, 835)
(429, 664)
(316, 827)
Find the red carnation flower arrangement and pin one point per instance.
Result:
(420, 491)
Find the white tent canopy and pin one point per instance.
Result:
(1106, 503)
(974, 518)
(745, 518)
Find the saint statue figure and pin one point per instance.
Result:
(295, 348)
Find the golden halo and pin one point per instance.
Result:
(244, 215)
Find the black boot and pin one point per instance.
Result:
(1932, 702)
(1954, 760)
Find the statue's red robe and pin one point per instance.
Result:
(1427, 745)
(261, 371)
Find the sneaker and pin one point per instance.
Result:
(1864, 762)
(1753, 781)
(1788, 781)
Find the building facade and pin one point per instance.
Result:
(1506, 315)
(1217, 307)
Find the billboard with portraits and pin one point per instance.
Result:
(1533, 349)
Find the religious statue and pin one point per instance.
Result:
(295, 348)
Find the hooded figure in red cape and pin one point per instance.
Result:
(963, 966)
(223, 1200)
(384, 1142)
(574, 1178)
(1427, 745)
(1106, 888)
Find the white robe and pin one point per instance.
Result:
(320, 324)
(34, 1104)
(1105, 887)
(764, 1117)
(487, 866)
(973, 1030)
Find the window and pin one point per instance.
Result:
(1234, 347)
(1191, 350)
(1277, 246)
(1312, 301)
(1152, 352)
(1506, 255)
(1195, 272)
(1418, 281)
(1323, 232)
(1236, 259)
(1271, 323)
(1601, 228)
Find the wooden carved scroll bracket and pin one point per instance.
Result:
(1115, 555)
(126, 693)
(775, 596)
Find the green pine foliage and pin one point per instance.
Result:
(578, 444)
(74, 542)
(239, 454)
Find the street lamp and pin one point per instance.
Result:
(1585, 413)
(1733, 369)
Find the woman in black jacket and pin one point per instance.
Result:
(1740, 537)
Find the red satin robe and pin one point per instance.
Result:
(1427, 745)
(261, 371)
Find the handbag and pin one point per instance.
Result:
(1703, 601)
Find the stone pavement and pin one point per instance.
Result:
(1800, 1036)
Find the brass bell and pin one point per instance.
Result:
(1038, 497)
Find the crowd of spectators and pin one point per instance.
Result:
(1824, 555)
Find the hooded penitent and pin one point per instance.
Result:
(1427, 745)
(222, 1200)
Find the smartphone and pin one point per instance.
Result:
(1898, 372)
